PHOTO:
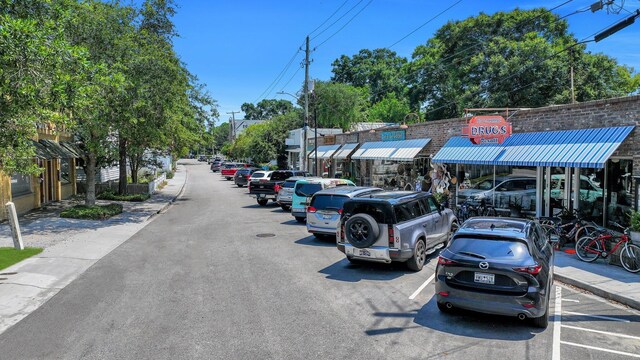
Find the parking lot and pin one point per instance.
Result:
(218, 276)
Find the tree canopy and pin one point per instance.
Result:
(266, 109)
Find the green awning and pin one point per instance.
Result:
(57, 150)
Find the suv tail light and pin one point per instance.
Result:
(391, 242)
(445, 261)
(533, 270)
(276, 188)
(311, 209)
(247, 177)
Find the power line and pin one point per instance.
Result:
(330, 16)
(279, 76)
(423, 25)
(291, 78)
(338, 19)
(343, 26)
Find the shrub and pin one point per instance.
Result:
(635, 221)
(110, 195)
(96, 212)
(170, 174)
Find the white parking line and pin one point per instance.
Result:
(571, 300)
(602, 332)
(601, 349)
(556, 324)
(413, 296)
(598, 316)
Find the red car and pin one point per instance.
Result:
(229, 170)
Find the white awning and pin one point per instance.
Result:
(345, 151)
(325, 151)
(403, 150)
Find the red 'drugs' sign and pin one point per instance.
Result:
(490, 129)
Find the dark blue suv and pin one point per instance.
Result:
(497, 266)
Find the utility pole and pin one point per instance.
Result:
(573, 93)
(232, 130)
(306, 105)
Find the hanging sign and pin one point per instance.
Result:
(491, 129)
(329, 139)
(392, 135)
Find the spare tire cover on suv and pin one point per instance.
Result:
(361, 230)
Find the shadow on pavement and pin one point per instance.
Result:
(314, 241)
(292, 222)
(258, 206)
(343, 270)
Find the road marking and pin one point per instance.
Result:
(571, 300)
(598, 316)
(602, 332)
(601, 349)
(556, 324)
(413, 296)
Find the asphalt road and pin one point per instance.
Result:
(197, 282)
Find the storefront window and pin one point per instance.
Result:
(619, 192)
(20, 185)
(64, 171)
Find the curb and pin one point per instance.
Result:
(598, 291)
(167, 205)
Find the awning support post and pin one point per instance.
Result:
(539, 192)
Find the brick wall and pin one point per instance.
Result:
(593, 114)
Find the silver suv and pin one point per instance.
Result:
(391, 226)
(285, 194)
(323, 213)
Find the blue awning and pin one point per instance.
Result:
(345, 151)
(460, 150)
(402, 150)
(585, 148)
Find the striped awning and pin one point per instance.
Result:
(325, 151)
(345, 151)
(459, 150)
(584, 148)
(402, 150)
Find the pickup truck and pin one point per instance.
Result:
(268, 190)
(229, 170)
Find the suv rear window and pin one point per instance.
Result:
(307, 189)
(328, 202)
(257, 175)
(289, 184)
(381, 212)
(281, 175)
(490, 249)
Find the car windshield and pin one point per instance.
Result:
(307, 189)
(257, 175)
(328, 202)
(485, 185)
(243, 172)
(229, 166)
(289, 184)
(490, 249)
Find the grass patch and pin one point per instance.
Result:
(170, 174)
(108, 195)
(10, 256)
(96, 212)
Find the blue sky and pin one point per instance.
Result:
(238, 48)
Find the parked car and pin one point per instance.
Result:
(229, 170)
(325, 208)
(215, 165)
(202, 157)
(394, 226)
(259, 176)
(268, 190)
(508, 191)
(241, 177)
(497, 266)
(285, 194)
(304, 189)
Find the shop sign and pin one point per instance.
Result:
(491, 129)
(392, 135)
(329, 139)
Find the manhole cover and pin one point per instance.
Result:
(265, 235)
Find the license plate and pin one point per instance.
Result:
(363, 252)
(327, 217)
(484, 278)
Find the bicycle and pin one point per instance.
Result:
(589, 249)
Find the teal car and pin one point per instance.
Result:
(304, 190)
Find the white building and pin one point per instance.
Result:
(294, 144)
(239, 126)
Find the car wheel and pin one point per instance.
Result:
(240, 185)
(416, 262)
(542, 321)
(263, 202)
(442, 307)
(362, 230)
(300, 219)
(452, 230)
(285, 207)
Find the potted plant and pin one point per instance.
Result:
(634, 227)
(515, 207)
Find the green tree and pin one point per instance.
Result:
(338, 105)
(389, 109)
(266, 109)
(379, 70)
(508, 59)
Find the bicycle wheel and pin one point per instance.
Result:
(587, 230)
(588, 249)
(630, 258)
(549, 229)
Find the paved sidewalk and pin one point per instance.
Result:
(71, 247)
(608, 281)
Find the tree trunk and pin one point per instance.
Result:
(133, 164)
(122, 162)
(90, 171)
